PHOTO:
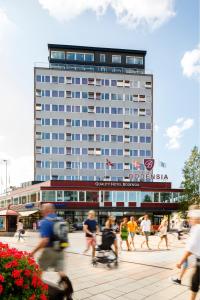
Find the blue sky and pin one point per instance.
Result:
(167, 29)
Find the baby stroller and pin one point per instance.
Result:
(104, 252)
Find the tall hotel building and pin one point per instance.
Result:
(93, 113)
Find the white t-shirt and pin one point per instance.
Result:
(20, 226)
(193, 243)
(146, 225)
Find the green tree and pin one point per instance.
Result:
(191, 179)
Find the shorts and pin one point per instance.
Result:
(195, 280)
(146, 234)
(132, 234)
(52, 259)
(185, 264)
(91, 241)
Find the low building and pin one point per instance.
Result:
(73, 199)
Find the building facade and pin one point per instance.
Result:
(73, 199)
(93, 114)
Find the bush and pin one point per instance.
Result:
(20, 276)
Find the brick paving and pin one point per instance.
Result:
(141, 274)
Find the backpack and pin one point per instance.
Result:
(60, 234)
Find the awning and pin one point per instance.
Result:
(27, 213)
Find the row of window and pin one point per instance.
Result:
(92, 95)
(89, 57)
(92, 109)
(93, 81)
(89, 137)
(92, 151)
(96, 69)
(46, 164)
(75, 177)
(90, 123)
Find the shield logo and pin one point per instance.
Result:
(149, 163)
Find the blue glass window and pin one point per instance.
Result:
(47, 93)
(107, 96)
(120, 152)
(113, 82)
(84, 151)
(113, 151)
(84, 123)
(120, 166)
(148, 125)
(77, 95)
(142, 125)
(84, 81)
(98, 123)
(84, 95)
(98, 110)
(84, 137)
(107, 83)
(120, 138)
(84, 165)
(107, 124)
(68, 108)
(77, 137)
(77, 80)
(107, 110)
(114, 110)
(142, 139)
(54, 121)
(135, 125)
(47, 107)
(54, 93)
(80, 56)
(61, 108)
(91, 165)
(61, 94)
(47, 78)
(61, 136)
(120, 124)
(148, 153)
(47, 122)
(89, 57)
(38, 78)
(148, 139)
(114, 124)
(54, 136)
(61, 79)
(54, 107)
(61, 122)
(70, 56)
(54, 150)
(61, 150)
(113, 138)
(91, 123)
(142, 152)
(98, 165)
(55, 79)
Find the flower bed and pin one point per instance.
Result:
(20, 276)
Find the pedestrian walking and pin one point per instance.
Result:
(91, 228)
(20, 230)
(179, 227)
(145, 227)
(184, 268)
(163, 232)
(110, 225)
(132, 228)
(53, 243)
(124, 233)
(193, 247)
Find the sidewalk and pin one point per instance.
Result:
(141, 274)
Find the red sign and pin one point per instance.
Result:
(149, 163)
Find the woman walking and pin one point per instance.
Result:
(124, 233)
(109, 225)
(132, 228)
(163, 232)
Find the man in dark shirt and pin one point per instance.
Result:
(91, 228)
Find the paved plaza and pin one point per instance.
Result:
(141, 274)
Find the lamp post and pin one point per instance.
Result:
(6, 162)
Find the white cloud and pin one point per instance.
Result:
(156, 127)
(19, 169)
(131, 13)
(191, 62)
(175, 132)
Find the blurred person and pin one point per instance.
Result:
(132, 228)
(51, 257)
(163, 232)
(145, 227)
(91, 228)
(193, 248)
(124, 233)
(110, 225)
(20, 229)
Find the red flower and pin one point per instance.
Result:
(1, 278)
(16, 273)
(19, 281)
(43, 297)
(1, 289)
(26, 286)
(27, 273)
(32, 297)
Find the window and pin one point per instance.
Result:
(148, 139)
(68, 94)
(102, 58)
(54, 79)
(142, 139)
(113, 82)
(54, 107)
(77, 80)
(116, 59)
(58, 54)
(61, 79)
(54, 93)
(70, 56)
(89, 57)
(130, 60)
(68, 80)
(61, 94)
(84, 81)
(138, 60)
